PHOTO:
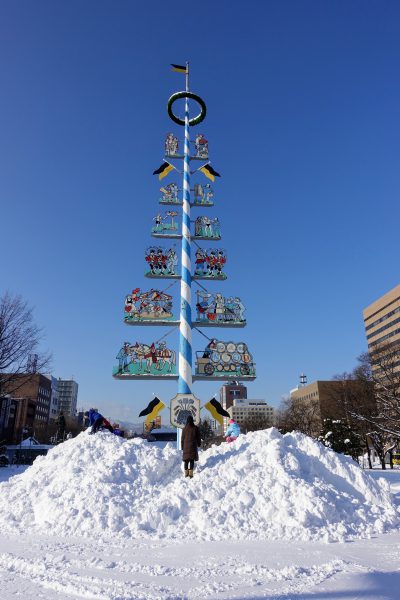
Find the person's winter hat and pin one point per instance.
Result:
(231, 420)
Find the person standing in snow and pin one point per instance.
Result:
(233, 431)
(96, 420)
(190, 441)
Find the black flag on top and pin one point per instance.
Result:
(179, 68)
(217, 411)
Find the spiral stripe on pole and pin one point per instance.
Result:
(185, 328)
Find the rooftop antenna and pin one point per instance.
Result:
(303, 380)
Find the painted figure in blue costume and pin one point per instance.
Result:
(203, 194)
(203, 305)
(216, 229)
(123, 357)
(239, 310)
(200, 262)
(208, 193)
(172, 261)
(158, 220)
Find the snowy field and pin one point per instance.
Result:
(272, 517)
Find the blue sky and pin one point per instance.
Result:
(303, 123)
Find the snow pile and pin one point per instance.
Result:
(263, 486)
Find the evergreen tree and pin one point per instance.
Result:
(206, 431)
(338, 436)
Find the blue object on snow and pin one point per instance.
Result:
(233, 430)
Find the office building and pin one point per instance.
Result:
(36, 388)
(18, 418)
(321, 400)
(382, 321)
(246, 412)
(67, 396)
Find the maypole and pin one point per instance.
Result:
(220, 359)
(185, 327)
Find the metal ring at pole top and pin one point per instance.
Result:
(196, 120)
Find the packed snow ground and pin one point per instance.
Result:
(264, 486)
(137, 553)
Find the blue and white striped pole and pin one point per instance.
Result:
(185, 328)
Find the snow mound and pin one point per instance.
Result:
(263, 486)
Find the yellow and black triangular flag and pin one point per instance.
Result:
(215, 408)
(179, 68)
(209, 172)
(152, 410)
(163, 171)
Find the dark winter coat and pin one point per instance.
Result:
(190, 440)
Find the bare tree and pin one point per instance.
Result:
(382, 367)
(19, 342)
(370, 400)
(353, 400)
(381, 370)
(255, 422)
(299, 415)
(282, 415)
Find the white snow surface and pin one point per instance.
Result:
(263, 486)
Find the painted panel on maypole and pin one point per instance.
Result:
(169, 195)
(152, 307)
(165, 225)
(209, 264)
(225, 360)
(203, 195)
(206, 228)
(162, 262)
(145, 361)
(216, 310)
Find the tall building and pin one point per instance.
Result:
(36, 388)
(67, 396)
(382, 320)
(228, 393)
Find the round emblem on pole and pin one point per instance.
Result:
(177, 96)
(183, 406)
